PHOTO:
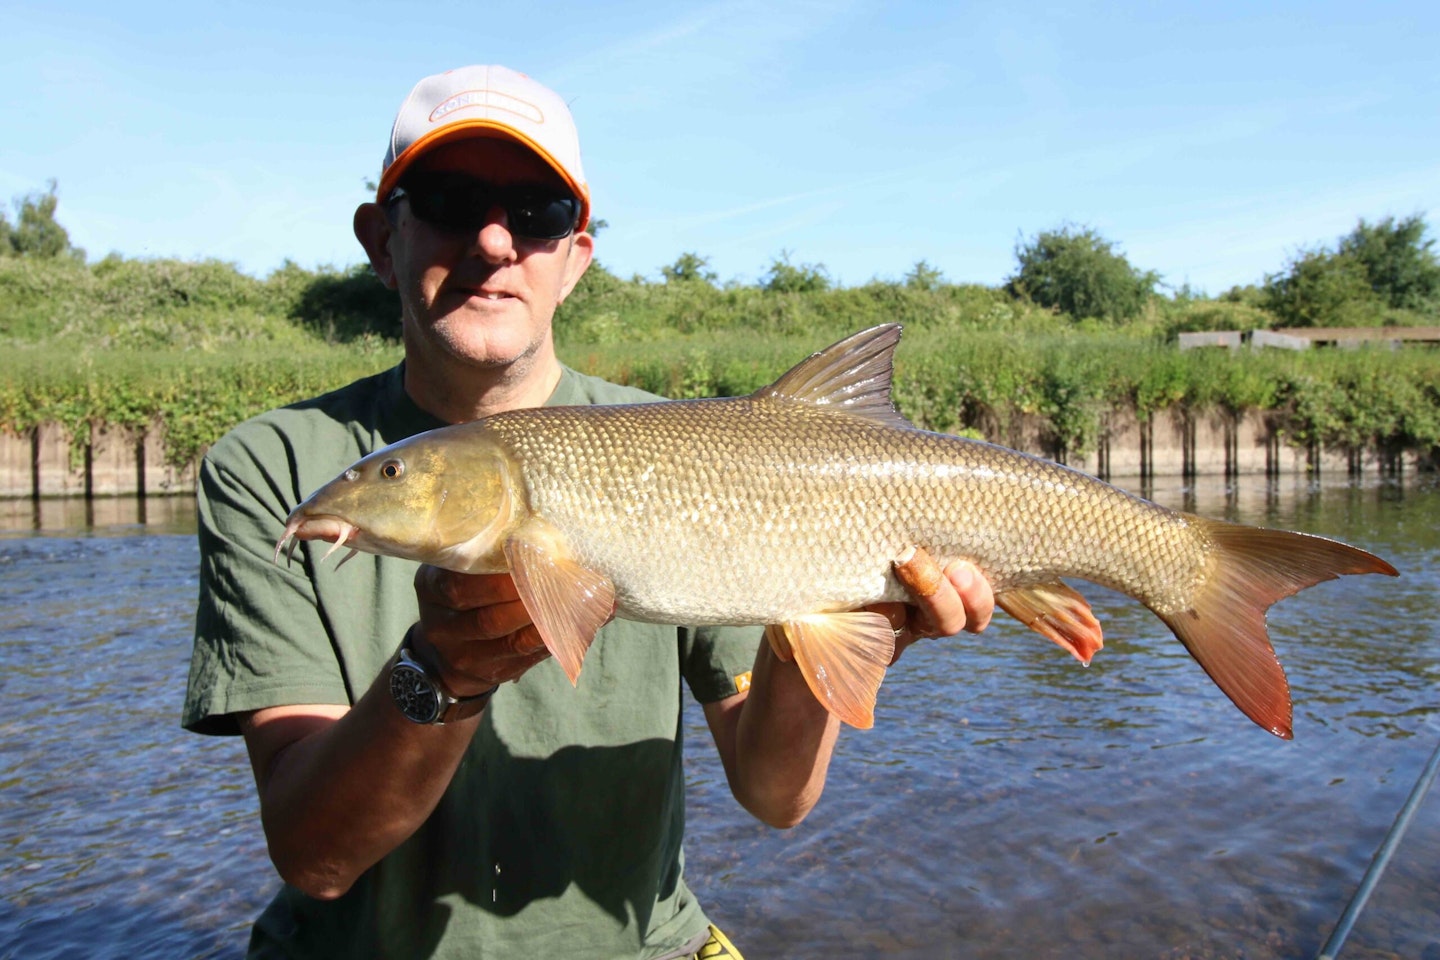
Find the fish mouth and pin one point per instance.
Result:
(331, 529)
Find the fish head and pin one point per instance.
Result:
(440, 497)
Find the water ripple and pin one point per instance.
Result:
(1008, 804)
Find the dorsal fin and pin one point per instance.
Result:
(852, 376)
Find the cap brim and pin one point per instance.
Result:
(477, 129)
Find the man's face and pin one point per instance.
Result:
(483, 297)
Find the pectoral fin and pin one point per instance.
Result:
(843, 657)
(1055, 611)
(568, 602)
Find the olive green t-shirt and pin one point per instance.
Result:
(561, 831)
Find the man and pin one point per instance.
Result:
(536, 819)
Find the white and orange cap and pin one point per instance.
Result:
(486, 101)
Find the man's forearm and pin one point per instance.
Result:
(784, 741)
(341, 793)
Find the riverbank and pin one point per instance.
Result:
(126, 398)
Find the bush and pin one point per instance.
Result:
(1076, 271)
(1201, 315)
(689, 268)
(786, 277)
(345, 305)
(36, 232)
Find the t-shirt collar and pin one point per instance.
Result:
(404, 418)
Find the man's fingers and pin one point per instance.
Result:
(476, 627)
(495, 620)
(975, 593)
(528, 643)
(939, 609)
(919, 573)
(945, 602)
(463, 591)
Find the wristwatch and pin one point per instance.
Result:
(422, 698)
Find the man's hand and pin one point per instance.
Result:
(945, 602)
(474, 629)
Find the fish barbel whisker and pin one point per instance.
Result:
(347, 530)
(345, 559)
(288, 540)
(310, 528)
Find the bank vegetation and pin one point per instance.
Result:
(1076, 334)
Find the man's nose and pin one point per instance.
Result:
(495, 241)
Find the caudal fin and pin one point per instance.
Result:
(1225, 627)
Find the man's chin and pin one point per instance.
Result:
(488, 341)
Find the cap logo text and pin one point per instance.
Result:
(486, 100)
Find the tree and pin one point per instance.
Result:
(1075, 270)
(36, 233)
(689, 268)
(1321, 288)
(786, 277)
(1376, 267)
(922, 276)
(1399, 263)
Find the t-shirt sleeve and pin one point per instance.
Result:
(716, 661)
(259, 636)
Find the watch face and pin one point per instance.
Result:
(414, 694)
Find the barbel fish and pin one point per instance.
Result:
(787, 508)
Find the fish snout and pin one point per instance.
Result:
(299, 527)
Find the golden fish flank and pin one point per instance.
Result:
(787, 507)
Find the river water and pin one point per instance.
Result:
(1008, 803)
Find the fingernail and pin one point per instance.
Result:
(963, 575)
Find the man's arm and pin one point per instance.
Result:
(342, 787)
(776, 740)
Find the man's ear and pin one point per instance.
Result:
(373, 229)
(577, 260)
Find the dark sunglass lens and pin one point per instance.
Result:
(542, 216)
(423, 201)
(463, 203)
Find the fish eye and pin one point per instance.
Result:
(392, 469)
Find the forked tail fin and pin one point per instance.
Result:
(1225, 627)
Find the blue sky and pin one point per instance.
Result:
(1209, 141)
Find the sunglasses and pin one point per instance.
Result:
(461, 204)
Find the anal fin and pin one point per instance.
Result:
(1057, 612)
(843, 657)
(568, 602)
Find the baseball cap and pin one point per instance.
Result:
(486, 101)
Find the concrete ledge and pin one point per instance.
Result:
(116, 462)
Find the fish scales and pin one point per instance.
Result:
(662, 493)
